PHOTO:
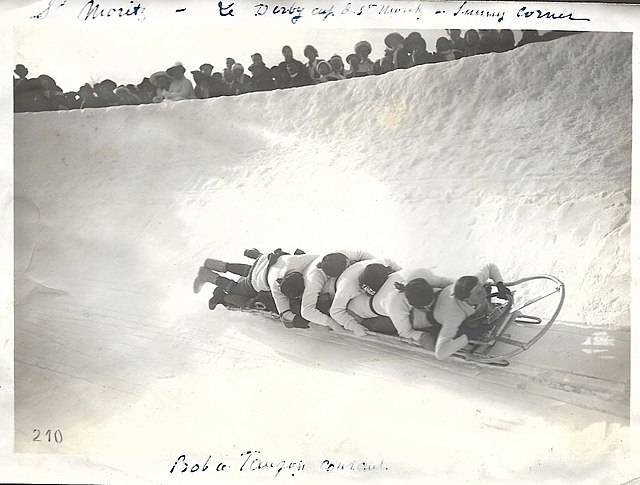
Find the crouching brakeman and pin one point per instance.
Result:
(277, 273)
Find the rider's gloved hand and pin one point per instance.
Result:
(287, 318)
(426, 341)
(478, 331)
(503, 291)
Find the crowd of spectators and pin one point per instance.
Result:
(43, 94)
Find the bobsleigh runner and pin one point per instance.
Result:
(516, 321)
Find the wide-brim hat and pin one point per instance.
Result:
(205, 65)
(156, 75)
(351, 56)
(176, 67)
(121, 90)
(361, 44)
(393, 39)
(21, 68)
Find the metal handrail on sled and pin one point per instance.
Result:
(481, 350)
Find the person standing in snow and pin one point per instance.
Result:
(399, 307)
(279, 273)
(457, 302)
(364, 277)
(320, 285)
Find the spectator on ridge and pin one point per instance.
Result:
(445, 51)
(363, 50)
(311, 53)
(529, 37)
(261, 76)
(161, 80)
(226, 72)
(489, 40)
(104, 91)
(72, 100)
(385, 63)
(201, 89)
(180, 87)
(53, 95)
(298, 75)
(88, 97)
(217, 86)
(457, 41)
(21, 71)
(401, 56)
(146, 91)
(287, 53)
(337, 66)
(417, 47)
(125, 96)
(241, 82)
(324, 70)
(354, 63)
(472, 43)
(506, 40)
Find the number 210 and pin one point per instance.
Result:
(57, 435)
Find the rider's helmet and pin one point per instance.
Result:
(292, 285)
(333, 264)
(419, 292)
(464, 285)
(372, 278)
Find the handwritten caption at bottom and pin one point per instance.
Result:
(253, 461)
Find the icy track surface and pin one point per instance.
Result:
(522, 159)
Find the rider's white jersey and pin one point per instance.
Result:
(451, 312)
(316, 281)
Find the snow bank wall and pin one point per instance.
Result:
(521, 158)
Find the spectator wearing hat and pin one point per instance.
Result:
(125, 96)
(226, 72)
(201, 89)
(363, 51)
(52, 93)
(364, 277)
(180, 88)
(472, 43)
(324, 70)
(337, 67)
(218, 87)
(298, 75)
(506, 40)
(401, 55)
(457, 41)
(241, 82)
(161, 80)
(88, 97)
(354, 62)
(303, 80)
(417, 47)
(20, 75)
(311, 53)
(529, 37)
(146, 91)
(27, 93)
(445, 51)
(320, 284)
(489, 41)
(385, 63)
(261, 75)
(72, 100)
(104, 92)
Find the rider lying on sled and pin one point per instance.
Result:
(445, 319)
